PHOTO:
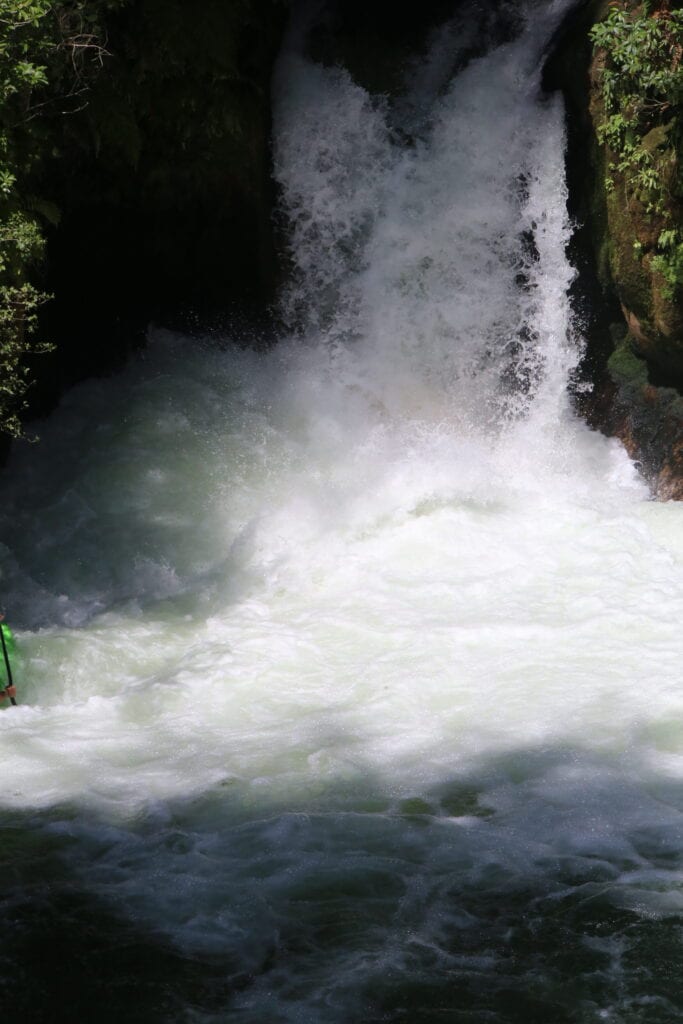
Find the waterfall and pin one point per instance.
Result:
(350, 670)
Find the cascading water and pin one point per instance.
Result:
(351, 670)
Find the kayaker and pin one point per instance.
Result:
(10, 690)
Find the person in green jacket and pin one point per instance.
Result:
(9, 647)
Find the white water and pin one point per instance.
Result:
(346, 662)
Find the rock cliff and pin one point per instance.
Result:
(619, 65)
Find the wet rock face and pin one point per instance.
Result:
(651, 307)
(635, 367)
(645, 371)
(647, 419)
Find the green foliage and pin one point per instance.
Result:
(669, 261)
(48, 55)
(22, 48)
(642, 92)
(642, 88)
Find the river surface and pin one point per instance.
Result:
(350, 671)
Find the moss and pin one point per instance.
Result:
(648, 419)
(658, 138)
(630, 251)
(627, 242)
(625, 367)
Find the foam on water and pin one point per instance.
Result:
(356, 664)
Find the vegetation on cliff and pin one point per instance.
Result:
(48, 53)
(642, 90)
(636, 102)
(134, 174)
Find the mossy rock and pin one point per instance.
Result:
(633, 373)
(626, 369)
(658, 138)
(647, 419)
(627, 240)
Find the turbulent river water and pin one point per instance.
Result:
(350, 671)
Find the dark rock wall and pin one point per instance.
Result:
(162, 181)
(632, 322)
